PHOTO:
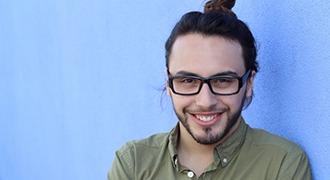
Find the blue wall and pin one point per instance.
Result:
(79, 78)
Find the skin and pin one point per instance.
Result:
(205, 56)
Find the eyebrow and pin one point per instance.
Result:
(187, 73)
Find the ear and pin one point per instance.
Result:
(250, 84)
(168, 89)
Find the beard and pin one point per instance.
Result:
(211, 136)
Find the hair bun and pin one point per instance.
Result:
(220, 5)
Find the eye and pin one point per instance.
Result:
(188, 80)
(222, 80)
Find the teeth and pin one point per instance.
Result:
(206, 118)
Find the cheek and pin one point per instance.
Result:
(234, 102)
(180, 102)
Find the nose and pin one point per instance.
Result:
(205, 98)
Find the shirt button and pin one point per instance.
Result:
(225, 160)
(190, 174)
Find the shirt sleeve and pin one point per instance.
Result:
(297, 169)
(122, 166)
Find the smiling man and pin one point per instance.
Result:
(211, 110)
(211, 65)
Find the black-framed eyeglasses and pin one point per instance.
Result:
(219, 85)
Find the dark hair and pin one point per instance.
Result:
(217, 20)
(215, 23)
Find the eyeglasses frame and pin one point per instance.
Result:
(241, 80)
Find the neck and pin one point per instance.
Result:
(192, 154)
(190, 146)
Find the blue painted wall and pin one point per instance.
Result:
(80, 78)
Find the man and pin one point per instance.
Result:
(211, 65)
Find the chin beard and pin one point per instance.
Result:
(211, 137)
(215, 137)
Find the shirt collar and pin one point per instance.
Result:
(173, 141)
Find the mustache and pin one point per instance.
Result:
(204, 110)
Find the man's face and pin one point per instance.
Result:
(205, 116)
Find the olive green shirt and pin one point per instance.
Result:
(249, 154)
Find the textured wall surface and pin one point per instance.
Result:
(80, 78)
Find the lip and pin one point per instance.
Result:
(216, 117)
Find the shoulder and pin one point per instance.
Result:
(262, 138)
(142, 154)
(137, 157)
(288, 157)
(154, 142)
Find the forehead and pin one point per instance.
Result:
(206, 55)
